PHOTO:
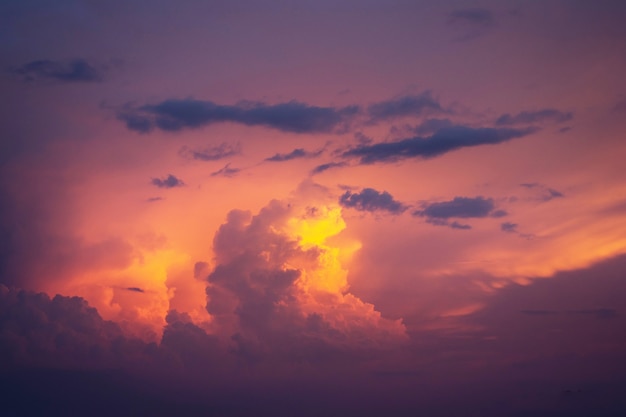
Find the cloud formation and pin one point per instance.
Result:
(325, 167)
(77, 70)
(412, 105)
(168, 182)
(174, 115)
(295, 154)
(530, 117)
(440, 213)
(443, 141)
(211, 153)
(509, 227)
(371, 200)
(278, 288)
(226, 171)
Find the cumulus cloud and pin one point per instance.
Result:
(443, 141)
(177, 114)
(295, 154)
(538, 116)
(278, 288)
(211, 153)
(36, 330)
(411, 105)
(168, 182)
(77, 70)
(440, 213)
(371, 200)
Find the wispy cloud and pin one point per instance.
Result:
(77, 70)
(298, 153)
(211, 153)
(226, 171)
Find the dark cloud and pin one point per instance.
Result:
(443, 141)
(134, 289)
(509, 227)
(324, 167)
(214, 153)
(371, 200)
(440, 213)
(226, 171)
(530, 117)
(512, 228)
(430, 126)
(415, 105)
(576, 310)
(174, 115)
(40, 331)
(154, 199)
(78, 70)
(474, 16)
(295, 154)
(168, 182)
(459, 207)
(460, 226)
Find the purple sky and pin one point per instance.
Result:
(366, 207)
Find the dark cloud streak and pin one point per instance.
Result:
(77, 70)
(443, 141)
(539, 116)
(414, 105)
(295, 154)
(174, 115)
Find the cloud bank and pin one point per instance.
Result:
(174, 115)
(443, 141)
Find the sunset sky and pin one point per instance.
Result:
(313, 207)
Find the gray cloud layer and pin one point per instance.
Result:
(440, 213)
(174, 115)
(443, 141)
(530, 117)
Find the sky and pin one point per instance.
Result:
(234, 208)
